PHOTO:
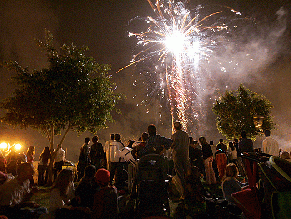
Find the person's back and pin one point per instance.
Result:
(181, 144)
(270, 145)
(155, 143)
(105, 199)
(245, 144)
(87, 187)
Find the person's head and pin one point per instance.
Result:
(230, 144)
(231, 170)
(31, 149)
(152, 129)
(117, 137)
(190, 140)
(46, 149)
(144, 136)
(25, 171)
(221, 140)
(235, 140)
(87, 140)
(202, 140)
(285, 155)
(267, 133)
(95, 139)
(102, 177)
(177, 126)
(111, 136)
(90, 171)
(243, 134)
(64, 178)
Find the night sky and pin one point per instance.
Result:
(103, 26)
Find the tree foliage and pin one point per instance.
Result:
(73, 93)
(236, 110)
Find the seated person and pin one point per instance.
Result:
(105, 199)
(15, 195)
(230, 184)
(86, 188)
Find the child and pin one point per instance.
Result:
(105, 199)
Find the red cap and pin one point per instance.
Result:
(102, 176)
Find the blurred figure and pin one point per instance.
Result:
(180, 154)
(30, 154)
(245, 144)
(14, 194)
(87, 187)
(44, 158)
(221, 146)
(97, 154)
(105, 199)
(84, 158)
(208, 159)
(107, 150)
(270, 145)
(285, 155)
(60, 158)
(62, 192)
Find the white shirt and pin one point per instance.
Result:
(112, 151)
(60, 155)
(270, 146)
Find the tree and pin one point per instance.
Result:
(236, 110)
(73, 93)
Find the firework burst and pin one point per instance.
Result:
(178, 42)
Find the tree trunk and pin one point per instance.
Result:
(51, 163)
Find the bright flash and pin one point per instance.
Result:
(3, 145)
(176, 42)
(17, 147)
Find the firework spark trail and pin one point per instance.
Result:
(174, 35)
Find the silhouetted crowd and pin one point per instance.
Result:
(134, 180)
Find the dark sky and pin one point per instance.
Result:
(103, 26)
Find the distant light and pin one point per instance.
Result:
(3, 145)
(17, 147)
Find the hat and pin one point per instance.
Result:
(102, 176)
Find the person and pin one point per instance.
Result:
(221, 162)
(180, 154)
(44, 158)
(60, 158)
(139, 145)
(97, 154)
(105, 199)
(30, 154)
(62, 192)
(84, 158)
(208, 159)
(30, 159)
(15, 195)
(86, 188)
(155, 144)
(115, 166)
(285, 155)
(230, 184)
(245, 144)
(232, 153)
(221, 146)
(107, 150)
(270, 145)
(195, 154)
